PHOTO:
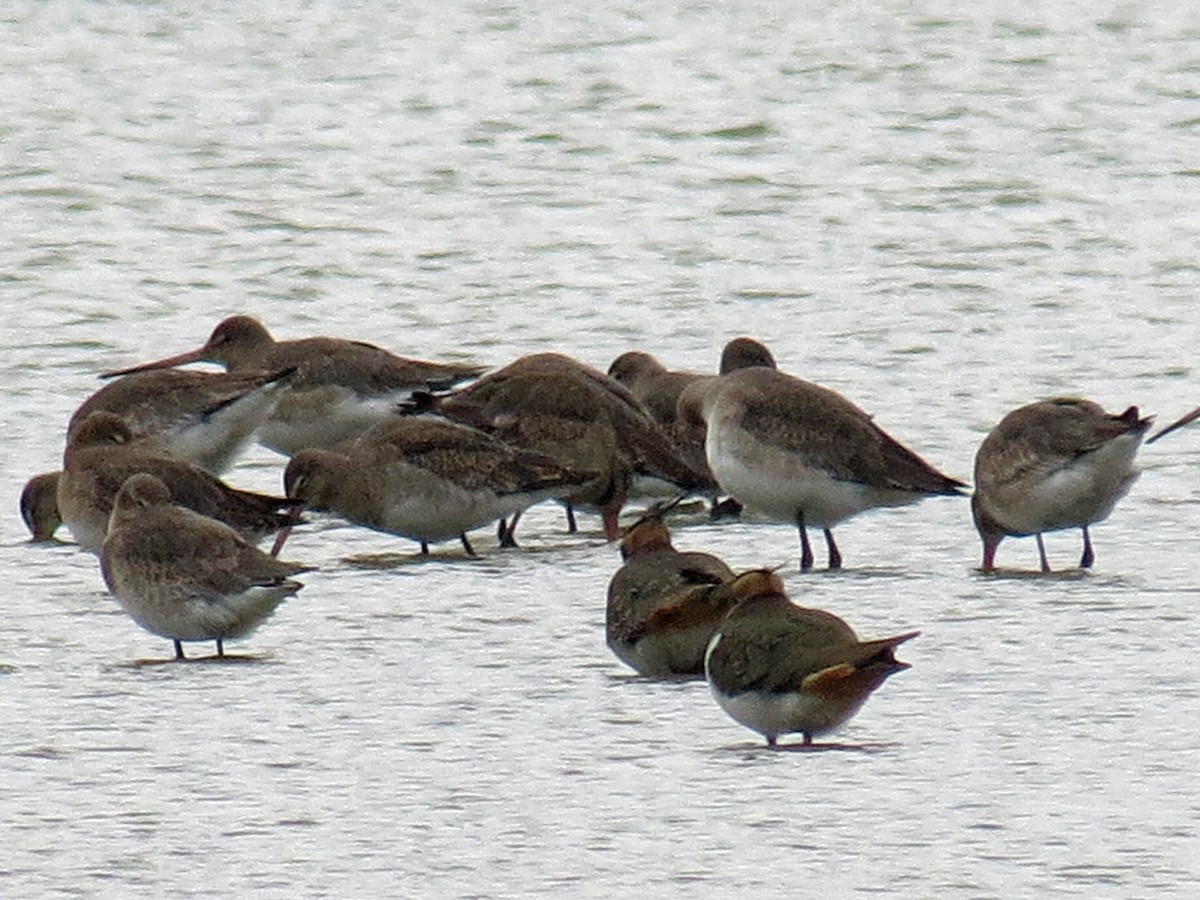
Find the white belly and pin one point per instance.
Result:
(1080, 493)
(781, 484)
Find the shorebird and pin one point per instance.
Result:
(802, 453)
(340, 387)
(204, 417)
(102, 454)
(552, 404)
(664, 393)
(659, 389)
(1053, 464)
(425, 478)
(185, 576)
(779, 668)
(664, 604)
(39, 506)
(656, 386)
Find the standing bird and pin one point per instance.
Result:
(102, 454)
(660, 388)
(425, 478)
(185, 576)
(779, 668)
(802, 453)
(204, 417)
(664, 604)
(554, 405)
(339, 390)
(1053, 464)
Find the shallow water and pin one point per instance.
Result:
(942, 213)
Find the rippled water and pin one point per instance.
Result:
(942, 212)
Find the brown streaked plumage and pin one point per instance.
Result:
(426, 478)
(656, 386)
(552, 404)
(779, 668)
(340, 387)
(1050, 465)
(204, 417)
(802, 453)
(103, 454)
(659, 388)
(664, 604)
(39, 506)
(185, 576)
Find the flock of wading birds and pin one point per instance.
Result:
(397, 445)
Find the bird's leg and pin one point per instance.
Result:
(220, 647)
(807, 740)
(572, 528)
(771, 741)
(466, 544)
(835, 556)
(179, 650)
(990, 543)
(1089, 555)
(280, 537)
(1042, 554)
(806, 554)
(612, 527)
(507, 532)
(424, 548)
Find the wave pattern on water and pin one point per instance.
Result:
(944, 213)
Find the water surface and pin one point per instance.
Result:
(943, 213)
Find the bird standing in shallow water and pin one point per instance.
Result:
(207, 418)
(185, 576)
(660, 389)
(557, 406)
(426, 478)
(1053, 464)
(102, 454)
(664, 604)
(779, 668)
(340, 388)
(801, 453)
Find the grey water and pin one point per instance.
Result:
(941, 210)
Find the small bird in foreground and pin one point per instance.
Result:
(779, 668)
(185, 576)
(1050, 465)
(664, 604)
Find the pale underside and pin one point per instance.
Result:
(174, 609)
(783, 484)
(1062, 493)
(774, 713)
